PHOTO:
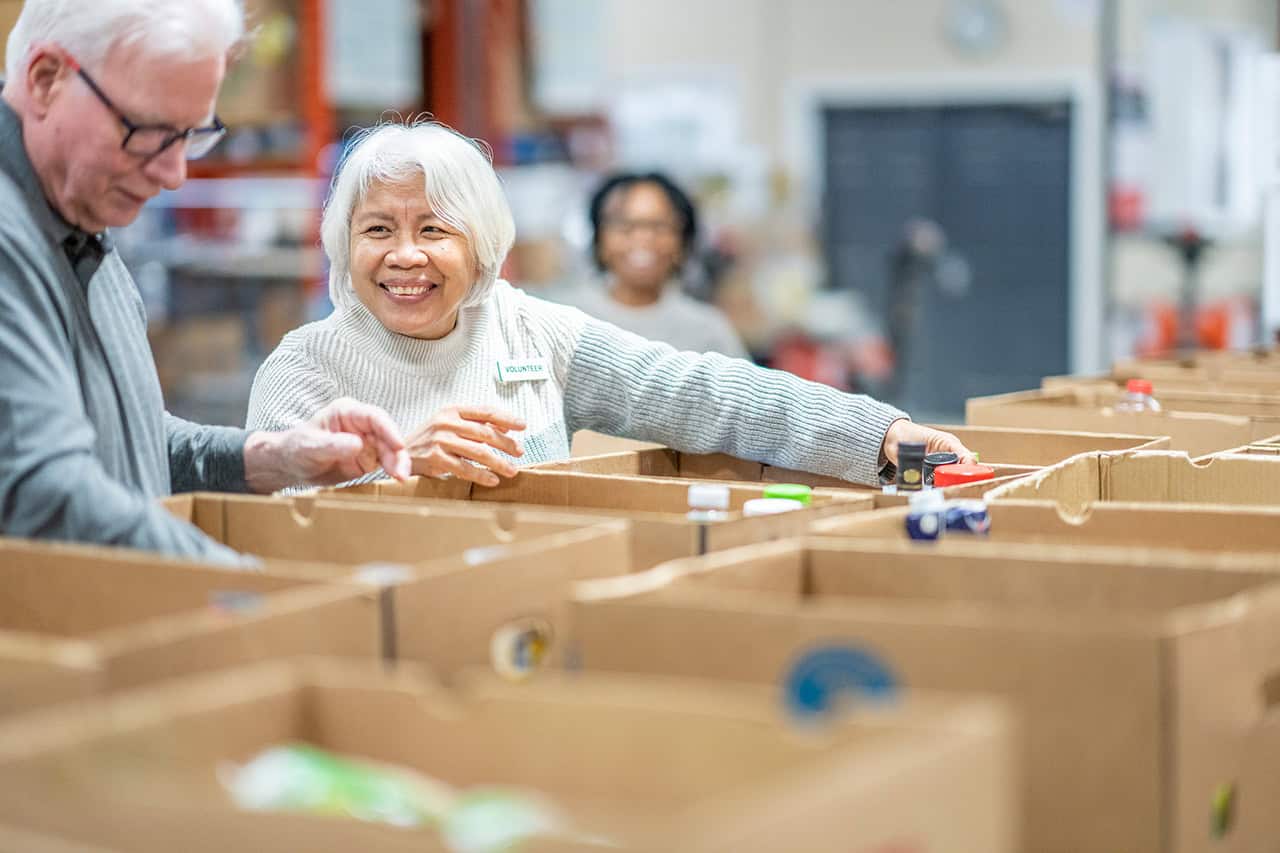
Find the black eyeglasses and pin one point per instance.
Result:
(148, 140)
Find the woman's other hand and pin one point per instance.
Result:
(460, 441)
(934, 441)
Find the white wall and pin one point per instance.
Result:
(767, 44)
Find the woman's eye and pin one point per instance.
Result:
(377, 229)
(434, 230)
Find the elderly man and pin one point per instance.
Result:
(104, 102)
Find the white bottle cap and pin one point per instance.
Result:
(770, 506)
(927, 498)
(708, 496)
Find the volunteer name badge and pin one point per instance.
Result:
(528, 370)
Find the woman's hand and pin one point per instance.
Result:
(934, 440)
(460, 441)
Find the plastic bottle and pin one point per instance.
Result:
(936, 460)
(926, 519)
(708, 502)
(796, 492)
(910, 466)
(961, 475)
(1137, 397)
(769, 506)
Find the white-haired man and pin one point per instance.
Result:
(104, 102)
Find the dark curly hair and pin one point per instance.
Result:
(623, 180)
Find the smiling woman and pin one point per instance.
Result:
(416, 229)
(409, 267)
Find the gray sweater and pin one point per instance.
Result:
(86, 447)
(596, 377)
(676, 318)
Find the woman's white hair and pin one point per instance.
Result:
(459, 183)
(90, 29)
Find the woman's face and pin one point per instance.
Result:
(640, 236)
(409, 268)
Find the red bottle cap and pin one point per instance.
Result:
(958, 475)
(1139, 386)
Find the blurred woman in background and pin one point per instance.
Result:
(644, 230)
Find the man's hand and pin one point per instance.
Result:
(344, 440)
(459, 441)
(934, 440)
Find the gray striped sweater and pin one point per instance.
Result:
(597, 377)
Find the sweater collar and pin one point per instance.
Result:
(413, 355)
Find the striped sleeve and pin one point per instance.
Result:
(286, 391)
(620, 384)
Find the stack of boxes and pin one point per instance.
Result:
(1097, 672)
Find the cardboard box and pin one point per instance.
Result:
(479, 572)
(1172, 377)
(1261, 447)
(1091, 409)
(1139, 680)
(585, 442)
(22, 841)
(507, 609)
(1150, 477)
(649, 765)
(1219, 530)
(34, 672)
(656, 507)
(692, 467)
(1008, 451)
(127, 618)
(344, 534)
(1105, 393)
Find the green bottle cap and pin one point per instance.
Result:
(789, 491)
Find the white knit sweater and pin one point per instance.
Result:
(600, 378)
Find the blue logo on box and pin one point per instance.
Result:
(823, 677)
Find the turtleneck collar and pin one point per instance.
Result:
(357, 325)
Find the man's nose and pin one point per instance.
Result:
(169, 167)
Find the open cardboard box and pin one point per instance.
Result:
(1106, 393)
(656, 507)
(1150, 477)
(1206, 427)
(79, 619)
(118, 618)
(1187, 527)
(508, 609)
(34, 672)
(1143, 680)
(1010, 452)
(587, 442)
(648, 764)
(1220, 376)
(1261, 447)
(344, 534)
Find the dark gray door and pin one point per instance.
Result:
(989, 314)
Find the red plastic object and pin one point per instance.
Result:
(1139, 386)
(960, 474)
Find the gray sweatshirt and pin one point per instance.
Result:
(86, 446)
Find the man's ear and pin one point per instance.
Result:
(48, 74)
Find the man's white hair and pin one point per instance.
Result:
(90, 29)
(459, 183)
